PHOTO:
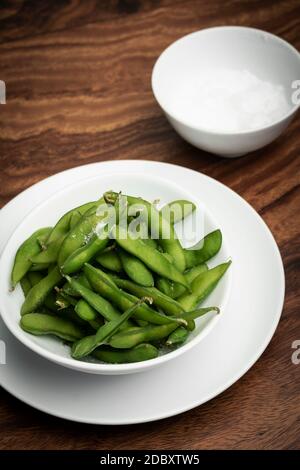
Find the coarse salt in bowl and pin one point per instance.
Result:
(228, 90)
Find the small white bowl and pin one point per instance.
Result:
(48, 212)
(236, 48)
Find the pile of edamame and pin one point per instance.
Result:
(116, 297)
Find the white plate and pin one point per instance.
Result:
(237, 341)
(48, 213)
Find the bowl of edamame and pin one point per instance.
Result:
(115, 274)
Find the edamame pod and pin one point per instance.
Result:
(82, 279)
(82, 255)
(40, 267)
(136, 270)
(74, 219)
(166, 286)
(123, 300)
(141, 352)
(158, 225)
(43, 324)
(39, 292)
(136, 335)
(177, 337)
(110, 260)
(59, 233)
(49, 302)
(25, 285)
(210, 246)
(101, 305)
(175, 290)
(151, 257)
(86, 345)
(85, 311)
(189, 275)
(63, 225)
(50, 254)
(26, 251)
(167, 304)
(82, 232)
(202, 286)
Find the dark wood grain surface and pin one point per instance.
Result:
(78, 91)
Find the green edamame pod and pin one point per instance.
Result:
(141, 352)
(210, 246)
(177, 337)
(159, 226)
(167, 304)
(178, 210)
(123, 300)
(150, 242)
(74, 219)
(202, 286)
(26, 251)
(101, 305)
(39, 292)
(83, 231)
(86, 345)
(25, 285)
(49, 303)
(82, 279)
(136, 270)
(174, 290)
(110, 260)
(136, 335)
(85, 311)
(59, 233)
(189, 275)
(43, 324)
(143, 231)
(63, 225)
(166, 287)
(152, 258)
(82, 255)
(40, 267)
(49, 255)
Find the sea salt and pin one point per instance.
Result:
(229, 100)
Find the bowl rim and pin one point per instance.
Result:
(189, 124)
(106, 368)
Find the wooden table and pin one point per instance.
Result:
(78, 91)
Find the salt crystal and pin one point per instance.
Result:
(226, 100)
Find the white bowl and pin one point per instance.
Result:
(235, 48)
(47, 213)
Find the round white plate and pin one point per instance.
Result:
(237, 341)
